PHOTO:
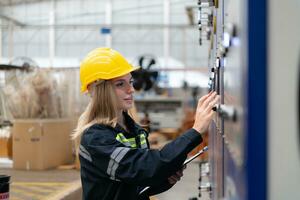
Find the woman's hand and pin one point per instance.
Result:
(204, 112)
(176, 177)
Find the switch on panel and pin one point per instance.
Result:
(227, 112)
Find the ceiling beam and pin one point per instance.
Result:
(112, 26)
(19, 2)
(14, 21)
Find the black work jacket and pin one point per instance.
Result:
(117, 165)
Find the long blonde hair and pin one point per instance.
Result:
(101, 109)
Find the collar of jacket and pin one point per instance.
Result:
(133, 127)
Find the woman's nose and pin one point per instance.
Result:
(130, 89)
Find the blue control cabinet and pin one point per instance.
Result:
(238, 72)
(254, 63)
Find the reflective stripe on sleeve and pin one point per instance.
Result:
(114, 161)
(84, 153)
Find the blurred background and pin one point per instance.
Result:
(246, 51)
(42, 44)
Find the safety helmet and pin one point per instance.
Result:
(103, 63)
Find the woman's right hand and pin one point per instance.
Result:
(204, 112)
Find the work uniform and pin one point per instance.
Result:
(117, 164)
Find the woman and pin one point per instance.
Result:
(116, 162)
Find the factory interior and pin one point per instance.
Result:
(210, 107)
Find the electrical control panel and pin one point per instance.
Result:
(233, 64)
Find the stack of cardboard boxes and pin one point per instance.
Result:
(40, 106)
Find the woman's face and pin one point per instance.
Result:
(124, 91)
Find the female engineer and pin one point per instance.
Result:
(116, 162)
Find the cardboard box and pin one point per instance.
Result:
(6, 147)
(3, 147)
(41, 143)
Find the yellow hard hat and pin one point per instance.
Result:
(103, 63)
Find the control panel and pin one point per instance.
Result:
(228, 29)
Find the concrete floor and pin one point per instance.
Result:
(42, 185)
(186, 188)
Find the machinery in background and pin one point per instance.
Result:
(160, 111)
(145, 78)
(163, 112)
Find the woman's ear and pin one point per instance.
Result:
(90, 90)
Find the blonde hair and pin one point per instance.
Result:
(101, 109)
